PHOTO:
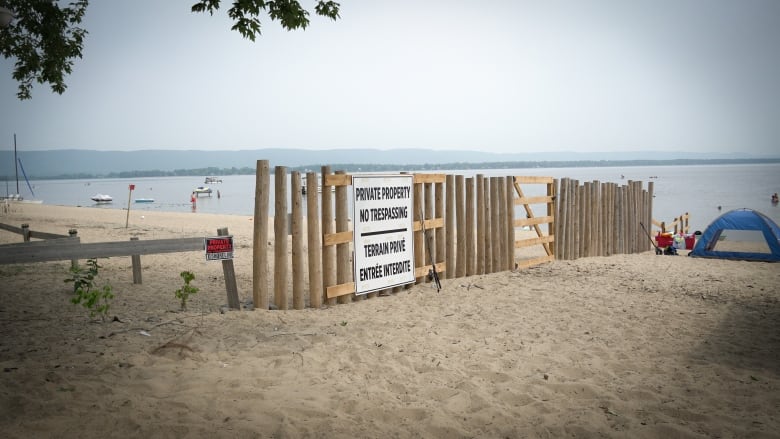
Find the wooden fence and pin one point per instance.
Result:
(470, 228)
(602, 219)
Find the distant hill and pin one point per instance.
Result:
(74, 162)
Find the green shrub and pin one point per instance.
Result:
(184, 292)
(87, 293)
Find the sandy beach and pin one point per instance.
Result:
(626, 346)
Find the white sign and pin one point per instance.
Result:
(384, 238)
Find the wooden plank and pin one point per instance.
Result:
(338, 180)
(341, 290)
(76, 250)
(521, 222)
(429, 178)
(441, 267)
(430, 224)
(337, 238)
(534, 241)
(10, 228)
(526, 263)
(542, 199)
(45, 235)
(48, 242)
(530, 179)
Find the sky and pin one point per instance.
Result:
(495, 76)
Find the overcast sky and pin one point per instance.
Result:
(498, 76)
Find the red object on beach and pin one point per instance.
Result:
(132, 187)
(663, 240)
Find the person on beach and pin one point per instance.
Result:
(774, 198)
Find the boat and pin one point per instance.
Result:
(102, 198)
(210, 180)
(202, 190)
(144, 200)
(17, 197)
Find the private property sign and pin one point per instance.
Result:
(219, 248)
(383, 234)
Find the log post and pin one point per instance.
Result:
(450, 225)
(136, 260)
(470, 230)
(260, 236)
(280, 237)
(26, 232)
(460, 212)
(480, 239)
(74, 263)
(230, 277)
(315, 241)
(329, 252)
(440, 231)
(297, 240)
(510, 222)
(343, 265)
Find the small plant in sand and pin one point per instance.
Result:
(87, 293)
(184, 292)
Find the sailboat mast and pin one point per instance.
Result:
(16, 166)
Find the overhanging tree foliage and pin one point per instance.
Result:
(44, 37)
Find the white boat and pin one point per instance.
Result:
(202, 190)
(144, 200)
(102, 198)
(17, 197)
(210, 180)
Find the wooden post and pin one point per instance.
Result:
(260, 236)
(428, 237)
(297, 240)
(315, 241)
(470, 230)
(479, 267)
(509, 192)
(74, 263)
(460, 209)
(440, 231)
(501, 204)
(343, 265)
(230, 277)
(488, 232)
(419, 239)
(26, 232)
(495, 225)
(136, 260)
(329, 252)
(129, 195)
(551, 228)
(280, 237)
(450, 225)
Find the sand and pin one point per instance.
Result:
(639, 346)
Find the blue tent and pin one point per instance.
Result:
(740, 219)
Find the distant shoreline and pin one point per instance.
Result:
(362, 167)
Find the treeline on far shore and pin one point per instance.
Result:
(353, 167)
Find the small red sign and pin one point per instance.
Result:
(219, 248)
(132, 187)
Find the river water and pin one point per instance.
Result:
(704, 191)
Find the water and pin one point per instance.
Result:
(698, 190)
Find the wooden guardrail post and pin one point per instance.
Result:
(488, 225)
(328, 252)
(343, 265)
(74, 263)
(297, 240)
(450, 225)
(471, 252)
(260, 236)
(280, 237)
(460, 228)
(26, 232)
(509, 197)
(315, 241)
(136, 260)
(230, 277)
(440, 240)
